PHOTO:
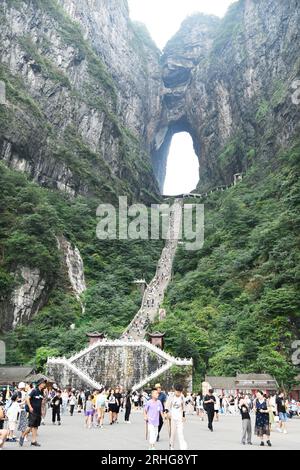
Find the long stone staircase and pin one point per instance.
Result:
(155, 291)
(167, 360)
(80, 367)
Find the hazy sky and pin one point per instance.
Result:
(163, 19)
(182, 167)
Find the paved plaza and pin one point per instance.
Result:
(73, 435)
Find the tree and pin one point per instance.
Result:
(41, 357)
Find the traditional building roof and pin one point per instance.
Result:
(157, 334)
(95, 335)
(243, 382)
(33, 378)
(9, 375)
(265, 381)
(221, 383)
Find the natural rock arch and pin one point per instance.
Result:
(162, 147)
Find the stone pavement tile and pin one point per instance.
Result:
(73, 435)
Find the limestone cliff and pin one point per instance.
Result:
(229, 83)
(92, 105)
(82, 96)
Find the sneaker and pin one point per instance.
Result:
(285, 431)
(269, 443)
(262, 444)
(35, 444)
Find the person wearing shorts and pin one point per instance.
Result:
(101, 406)
(281, 411)
(89, 411)
(34, 403)
(112, 407)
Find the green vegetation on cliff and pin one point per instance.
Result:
(31, 219)
(234, 306)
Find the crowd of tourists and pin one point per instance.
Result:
(24, 408)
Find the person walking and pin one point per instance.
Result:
(246, 422)
(175, 409)
(34, 403)
(12, 414)
(118, 396)
(65, 401)
(112, 407)
(72, 403)
(127, 407)
(281, 412)
(262, 423)
(153, 411)
(162, 398)
(89, 411)
(209, 406)
(100, 406)
(22, 394)
(56, 404)
(217, 408)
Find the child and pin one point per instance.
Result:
(89, 411)
(246, 421)
(152, 412)
(12, 414)
(175, 408)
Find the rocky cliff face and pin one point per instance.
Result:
(90, 101)
(82, 104)
(229, 83)
(74, 267)
(82, 95)
(29, 295)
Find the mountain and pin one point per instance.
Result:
(229, 83)
(91, 108)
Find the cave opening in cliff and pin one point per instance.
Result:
(182, 171)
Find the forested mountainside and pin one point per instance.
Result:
(235, 306)
(91, 108)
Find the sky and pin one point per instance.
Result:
(164, 17)
(182, 166)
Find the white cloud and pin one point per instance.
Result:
(163, 17)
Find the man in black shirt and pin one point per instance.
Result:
(209, 406)
(281, 411)
(56, 404)
(34, 402)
